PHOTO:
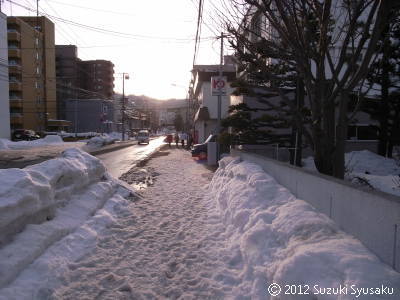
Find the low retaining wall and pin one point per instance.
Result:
(372, 217)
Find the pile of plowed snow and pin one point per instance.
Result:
(50, 216)
(47, 140)
(104, 139)
(281, 239)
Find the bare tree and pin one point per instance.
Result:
(331, 45)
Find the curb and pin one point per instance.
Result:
(112, 148)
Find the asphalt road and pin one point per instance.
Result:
(120, 161)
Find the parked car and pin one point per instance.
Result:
(143, 137)
(24, 135)
(200, 150)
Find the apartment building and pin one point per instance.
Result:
(67, 77)
(32, 84)
(4, 102)
(97, 76)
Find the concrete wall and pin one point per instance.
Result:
(4, 98)
(372, 217)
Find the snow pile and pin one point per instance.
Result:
(53, 203)
(277, 238)
(47, 140)
(370, 163)
(50, 139)
(104, 139)
(369, 169)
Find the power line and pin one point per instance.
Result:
(200, 11)
(112, 32)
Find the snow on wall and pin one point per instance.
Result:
(279, 238)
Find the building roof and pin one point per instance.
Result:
(213, 68)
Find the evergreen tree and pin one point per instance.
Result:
(178, 122)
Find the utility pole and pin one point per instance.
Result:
(123, 107)
(220, 95)
(124, 76)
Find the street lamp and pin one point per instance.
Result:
(124, 76)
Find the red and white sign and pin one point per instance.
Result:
(218, 86)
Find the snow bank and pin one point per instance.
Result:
(367, 168)
(284, 240)
(30, 195)
(46, 202)
(47, 140)
(104, 139)
(369, 162)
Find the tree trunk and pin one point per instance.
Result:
(341, 136)
(299, 140)
(324, 131)
(384, 107)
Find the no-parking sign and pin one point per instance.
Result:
(218, 86)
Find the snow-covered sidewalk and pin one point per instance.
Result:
(164, 247)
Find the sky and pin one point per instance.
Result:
(156, 46)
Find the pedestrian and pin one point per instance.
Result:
(190, 141)
(176, 139)
(169, 139)
(183, 138)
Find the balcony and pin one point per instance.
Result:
(13, 21)
(16, 103)
(15, 86)
(14, 36)
(14, 53)
(14, 69)
(16, 118)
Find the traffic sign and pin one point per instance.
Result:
(218, 85)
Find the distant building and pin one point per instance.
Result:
(168, 110)
(90, 115)
(4, 102)
(31, 72)
(97, 76)
(67, 76)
